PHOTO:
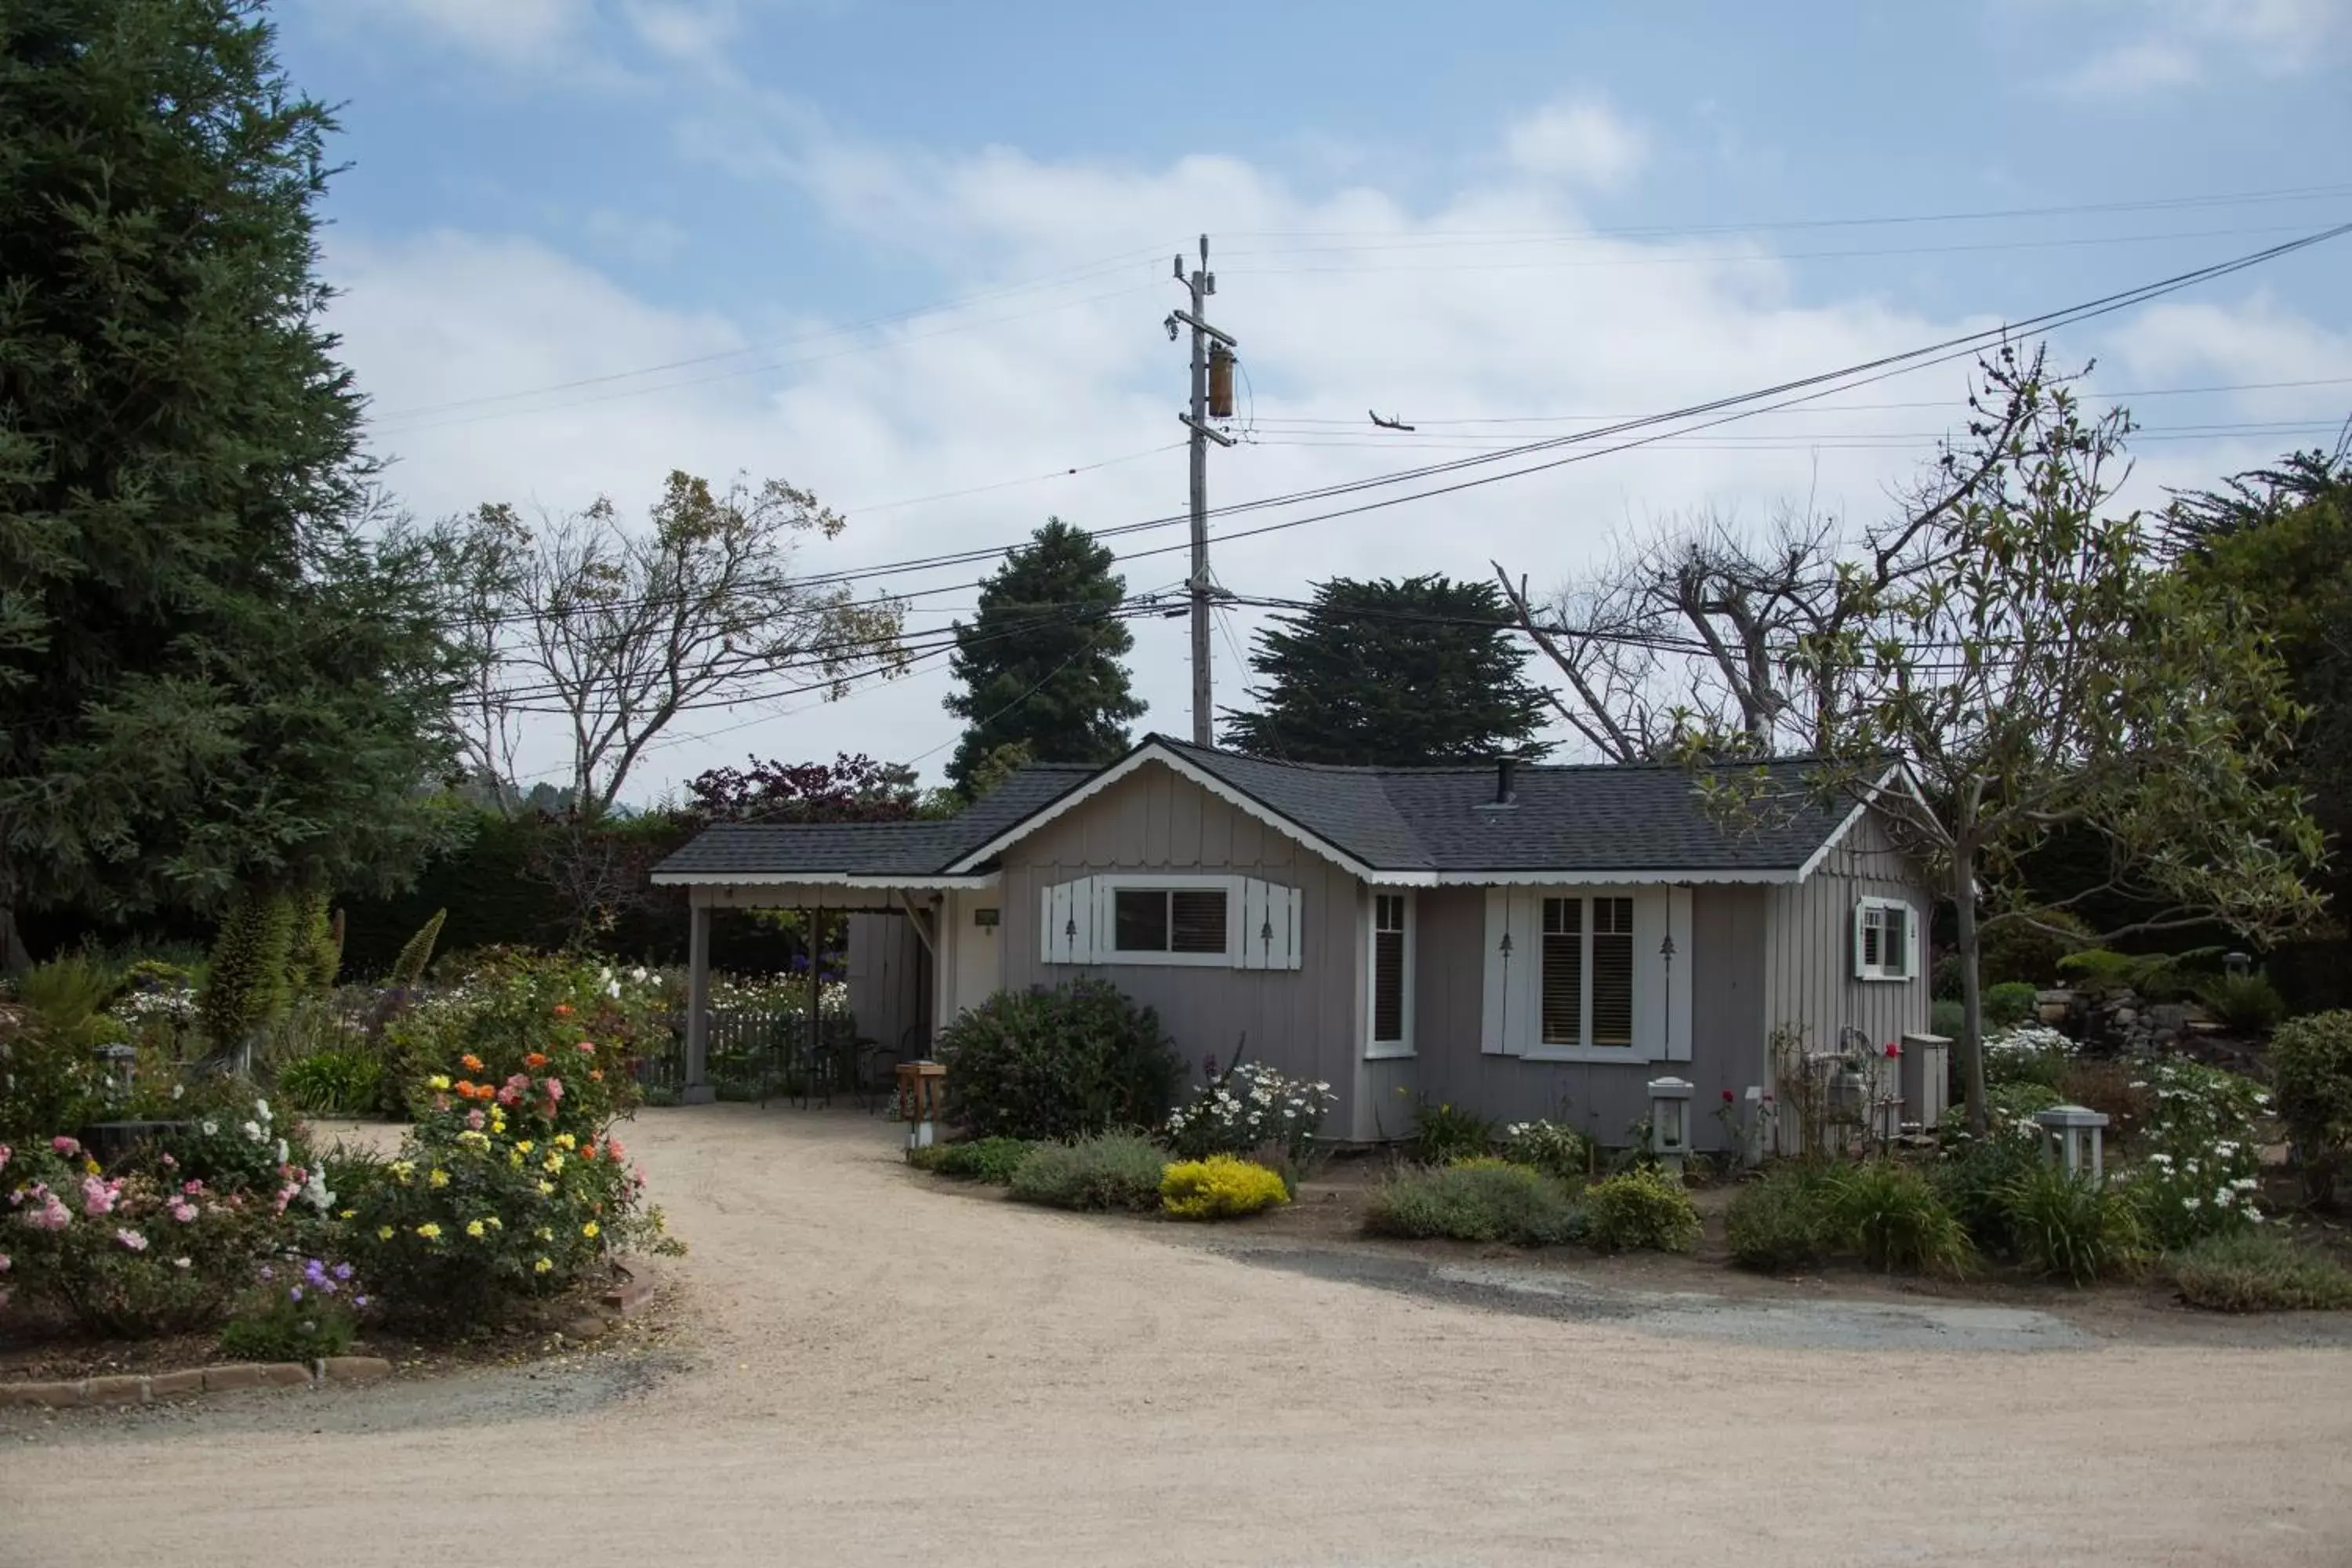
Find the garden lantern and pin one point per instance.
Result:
(1670, 1100)
(2072, 1136)
(2238, 965)
(122, 1063)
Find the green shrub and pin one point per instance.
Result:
(1781, 1222)
(2068, 1226)
(1478, 1199)
(332, 1083)
(1551, 1147)
(2009, 1113)
(1947, 1017)
(66, 998)
(2243, 1004)
(1104, 1171)
(2311, 1060)
(2012, 950)
(989, 1160)
(1641, 1210)
(1891, 1215)
(1251, 1108)
(1974, 1180)
(301, 1313)
(1058, 1064)
(50, 1082)
(1443, 1135)
(417, 953)
(245, 985)
(1220, 1187)
(536, 1015)
(2011, 1003)
(2258, 1271)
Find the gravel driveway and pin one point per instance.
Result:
(880, 1372)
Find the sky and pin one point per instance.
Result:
(916, 257)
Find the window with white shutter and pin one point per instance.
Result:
(1885, 940)
(1175, 918)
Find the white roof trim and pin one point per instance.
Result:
(1153, 752)
(1813, 861)
(921, 881)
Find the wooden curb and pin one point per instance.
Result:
(135, 1389)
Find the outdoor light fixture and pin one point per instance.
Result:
(1670, 1103)
(1666, 1014)
(2072, 1136)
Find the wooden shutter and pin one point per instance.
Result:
(1269, 934)
(1066, 934)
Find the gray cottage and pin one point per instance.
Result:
(1521, 940)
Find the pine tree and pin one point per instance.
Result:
(1406, 674)
(211, 675)
(1040, 663)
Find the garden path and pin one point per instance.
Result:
(889, 1372)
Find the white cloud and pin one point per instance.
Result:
(1342, 302)
(1579, 141)
(511, 31)
(2173, 44)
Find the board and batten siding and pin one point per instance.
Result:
(1305, 1021)
(888, 976)
(1602, 1098)
(1809, 980)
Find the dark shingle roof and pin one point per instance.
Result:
(1598, 817)
(871, 848)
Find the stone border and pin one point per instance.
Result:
(132, 1388)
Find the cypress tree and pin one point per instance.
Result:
(211, 675)
(1040, 663)
(1415, 673)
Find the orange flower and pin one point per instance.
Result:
(535, 1059)
(563, 1009)
(470, 1062)
(595, 1075)
(465, 1089)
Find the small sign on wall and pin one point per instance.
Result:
(984, 917)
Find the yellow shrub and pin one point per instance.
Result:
(1219, 1187)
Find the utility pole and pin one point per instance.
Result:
(1212, 397)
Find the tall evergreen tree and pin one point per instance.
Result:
(212, 677)
(1413, 673)
(1040, 663)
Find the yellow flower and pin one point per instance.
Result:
(473, 1140)
(439, 1080)
(545, 1188)
(589, 1229)
(494, 1222)
(553, 1164)
(474, 1230)
(565, 1140)
(541, 1266)
(439, 1178)
(349, 1214)
(429, 1231)
(544, 1234)
(383, 1233)
(523, 1144)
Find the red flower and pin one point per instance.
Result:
(563, 1009)
(1893, 1049)
(1727, 1097)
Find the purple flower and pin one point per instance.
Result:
(294, 1292)
(266, 1273)
(342, 1271)
(359, 1300)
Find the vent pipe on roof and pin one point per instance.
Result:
(1506, 779)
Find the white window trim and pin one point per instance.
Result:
(1878, 973)
(1107, 888)
(1377, 1049)
(1538, 1049)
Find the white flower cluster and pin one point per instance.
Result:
(1251, 1107)
(2026, 1040)
(177, 1006)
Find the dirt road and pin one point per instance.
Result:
(887, 1373)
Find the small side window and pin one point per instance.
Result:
(1885, 940)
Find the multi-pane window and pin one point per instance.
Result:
(1588, 971)
(1169, 920)
(1563, 972)
(1388, 968)
(1882, 940)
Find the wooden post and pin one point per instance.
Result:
(697, 1089)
